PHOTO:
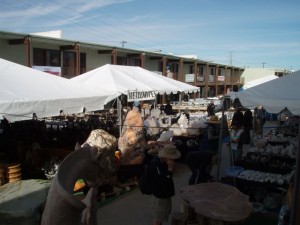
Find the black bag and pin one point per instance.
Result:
(145, 182)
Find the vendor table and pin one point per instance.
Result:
(22, 202)
(217, 202)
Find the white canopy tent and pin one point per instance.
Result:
(24, 91)
(133, 81)
(273, 95)
(111, 78)
(159, 83)
(258, 81)
(181, 86)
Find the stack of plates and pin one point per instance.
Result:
(13, 172)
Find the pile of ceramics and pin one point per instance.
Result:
(281, 146)
(258, 176)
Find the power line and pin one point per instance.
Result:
(135, 36)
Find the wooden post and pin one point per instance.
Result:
(206, 80)
(142, 58)
(77, 48)
(195, 76)
(180, 71)
(216, 80)
(114, 56)
(27, 43)
(164, 66)
(225, 91)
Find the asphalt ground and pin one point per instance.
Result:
(134, 208)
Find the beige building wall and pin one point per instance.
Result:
(95, 60)
(251, 74)
(44, 45)
(186, 69)
(14, 53)
(151, 65)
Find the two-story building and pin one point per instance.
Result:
(72, 58)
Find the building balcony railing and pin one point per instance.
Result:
(220, 79)
(69, 72)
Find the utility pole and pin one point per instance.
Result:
(263, 63)
(123, 43)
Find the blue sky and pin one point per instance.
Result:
(252, 33)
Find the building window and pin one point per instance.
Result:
(69, 64)
(125, 61)
(46, 57)
(160, 66)
(54, 57)
(134, 62)
(201, 70)
(191, 70)
(39, 57)
(212, 71)
(174, 67)
(121, 61)
(83, 68)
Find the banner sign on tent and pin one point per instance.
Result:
(49, 69)
(140, 95)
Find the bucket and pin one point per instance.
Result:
(234, 171)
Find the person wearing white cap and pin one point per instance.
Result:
(160, 172)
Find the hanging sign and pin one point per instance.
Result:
(140, 95)
(49, 69)
(189, 78)
(221, 78)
